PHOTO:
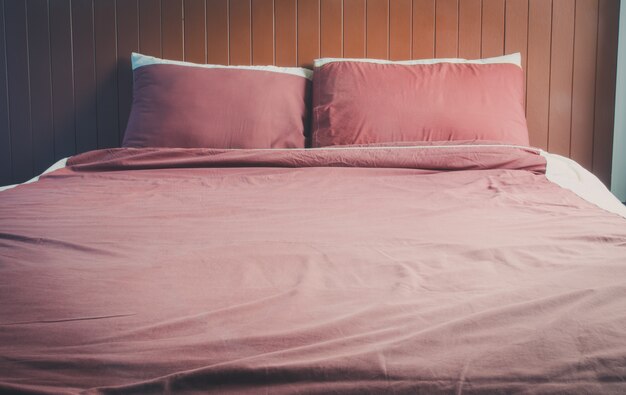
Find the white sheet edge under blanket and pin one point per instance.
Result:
(560, 170)
(58, 165)
(570, 175)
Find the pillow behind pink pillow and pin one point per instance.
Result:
(371, 101)
(186, 105)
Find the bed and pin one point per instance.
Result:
(464, 266)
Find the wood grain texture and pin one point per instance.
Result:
(446, 28)
(66, 80)
(560, 114)
(84, 75)
(423, 46)
(285, 41)
(538, 74)
(377, 29)
(492, 28)
(150, 27)
(262, 32)
(400, 35)
(606, 72)
(63, 79)
(239, 31)
(6, 166)
(308, 32)
(354, 28)
(127, 42)
(106, 73)
(40, 84)
(217, 37)
(331, 28)
(584, 82)
(172, 29)
(195, 31)
(516, 32)
(18, 89)
(470, 29)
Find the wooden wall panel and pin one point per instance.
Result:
(40, 84)
(354, 29)
(285, 41)
(400, 36)
(239, 31)
(470, 29)
(492, 28)
(217, 37)
(516, 33)
(84, 75)
(308, 32)
(127, 15)
(584, 82)
(18, 89)
(106, 73)
(377, 29)
(195, 31)
(6, 165)
(606, 72)
(172, 29)
(262, 32)
(66, 80)
(150, 27)
(423, 29)
(560, 113)
(538, 73)
(331, 28)
(446, 28)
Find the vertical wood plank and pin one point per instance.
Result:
(493, 28)
(308, 32)
(400, 29)
(377, 29)
(239, 32)
(559, 124)
(331, 37)
(606, 73)
(538, 84)
(516, 31)
(150, 27)
(127, 14)
(19, 100)
(84, 75)
(470, 27)
(446, 29)
(106, 73)
(423, 29)
(354, 28)
(40, 84)
(584, 82)
(62, 79)
(195, 32)
(262, 32)
(217, 31)
(172, 29)
(6, 167)
(286, 36)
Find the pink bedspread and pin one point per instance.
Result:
(387, 270)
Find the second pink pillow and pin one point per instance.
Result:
(366, 101)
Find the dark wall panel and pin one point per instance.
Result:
(40, 84)
(18, 89)
(66, 79)
(6, 165)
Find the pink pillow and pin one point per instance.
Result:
(369, 101)
(185, 105)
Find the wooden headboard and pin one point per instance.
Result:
(66, 83)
